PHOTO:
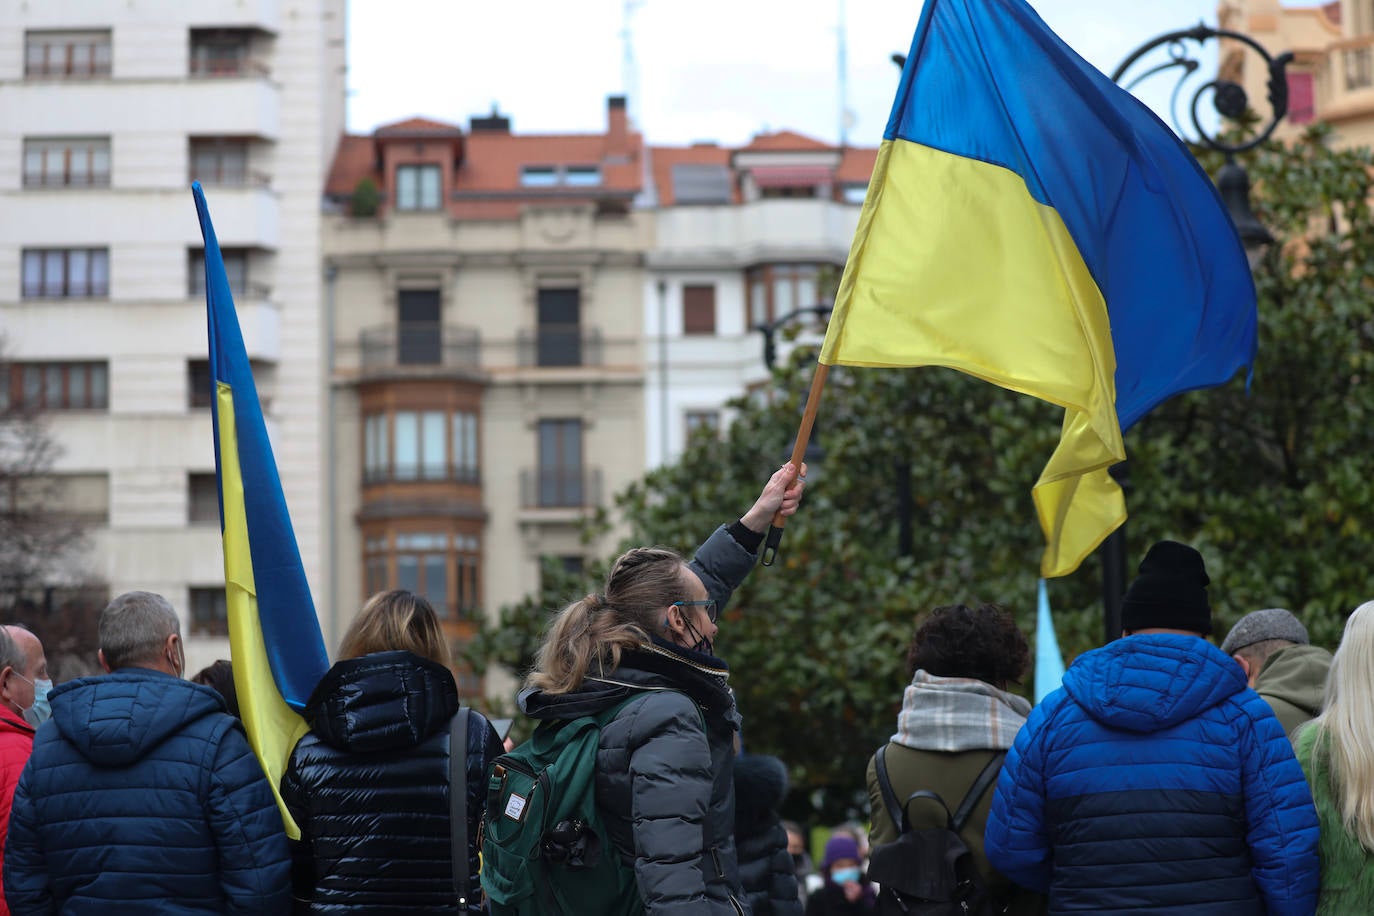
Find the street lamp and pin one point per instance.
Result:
(769, 329)
(1229, 100)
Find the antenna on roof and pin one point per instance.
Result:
(629, 69)
(842, 76)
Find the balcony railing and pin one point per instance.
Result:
(560, 487)
(554, 345)
(1358, 64)
(413, 473)
(231, 177)
(84, 68)
(73, 180)
(419, 345)
(227, 67)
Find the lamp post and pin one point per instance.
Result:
(1230, 101)
(814, 454)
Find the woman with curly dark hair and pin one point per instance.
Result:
(956, 719)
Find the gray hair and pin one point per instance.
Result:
(133, 628)
(11, 656)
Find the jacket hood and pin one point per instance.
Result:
(659, 665)
(118, 718)
(1297, 675)
(381, 701)
(1150, 682)
(760, 786)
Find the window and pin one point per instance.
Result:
(200, 388)
(468, 555)
(67, 163)
(1301, 109)
(223, 53)
(209, 615)
(701, 184)
(538, 176)
(235, 267)
(424, 445)
(202, 499)
(67, 55)
(219, 160)
(560, 463)
(702, 423)
(776, 290)
(66, 273)
(418, 187)
(422, 568)
(58, 386)
(698, 310)
(582, 176)
(560, 334)
(854, 193)
(374, 565)
(419, 336)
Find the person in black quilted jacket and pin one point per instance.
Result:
(664, 764)
(369, 784)
(766, 871)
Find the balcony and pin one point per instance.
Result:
(70, 180)
(422, 473)
(559, 346)
(419, 350)
(560, 488)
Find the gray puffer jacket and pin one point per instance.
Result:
(665, 763)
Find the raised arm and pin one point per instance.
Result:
(723, 561)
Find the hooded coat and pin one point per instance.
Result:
(766, 873)
(144, 796)
(368, 786)
(664, 764)
(1293, 682)
(1155, 781)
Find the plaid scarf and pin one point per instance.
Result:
(958, 714)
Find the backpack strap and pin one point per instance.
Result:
(894, 811)
(978, 790)
(458, 800)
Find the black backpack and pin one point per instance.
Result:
(930, 872)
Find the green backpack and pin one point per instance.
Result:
(545, 849)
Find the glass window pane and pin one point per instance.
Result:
(429, 187)
(436, 582)
(432, 439)
(33, 273)
(407, 445)
(100, 272)
(582, 176)
(33, 164)
(76, 386)
(784, 294)
(407, 187)
(52, 386)
(99, 385)
(78, 270)
(408, 572)
(100, 163)
(54, 265)
(806, 291)
(33, 386)
(81, 58)
(758, 303)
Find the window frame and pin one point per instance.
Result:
(96, 283)
(43, 386)
(414, 198)
(98, 42)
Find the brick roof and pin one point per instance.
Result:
(663, 158)
(784, 140)
(856, 164)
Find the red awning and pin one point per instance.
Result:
(792, 176)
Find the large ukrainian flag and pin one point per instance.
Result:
(274, 635)
(1032, 224)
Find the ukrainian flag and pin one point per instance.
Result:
(274, 635)
(1032, 224)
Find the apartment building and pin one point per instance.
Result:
(486, 355)
(1331, 77)
(744, 237)
(108, 111)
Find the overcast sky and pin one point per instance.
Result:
(706, 69)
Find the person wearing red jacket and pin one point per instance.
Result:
(24, 687)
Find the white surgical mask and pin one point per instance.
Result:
(40, 711)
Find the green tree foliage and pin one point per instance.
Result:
(365, 198)
(1268, 484)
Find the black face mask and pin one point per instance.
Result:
(702, 644)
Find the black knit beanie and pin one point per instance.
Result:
(1171, 591)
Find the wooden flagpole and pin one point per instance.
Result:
(813, 403)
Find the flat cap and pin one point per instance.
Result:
(1259, 626)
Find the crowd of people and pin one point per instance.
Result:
(1166, 775)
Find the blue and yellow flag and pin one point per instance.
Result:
(274, 635)
(1032, 224)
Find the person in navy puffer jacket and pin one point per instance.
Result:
(1155, 780)
(143, 795)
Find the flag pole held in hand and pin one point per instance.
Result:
(813, 403)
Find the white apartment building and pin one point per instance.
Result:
(743, 237)
(108, 110)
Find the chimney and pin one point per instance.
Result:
(617, 125)
(494, 123)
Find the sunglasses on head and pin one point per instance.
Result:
(708, 603)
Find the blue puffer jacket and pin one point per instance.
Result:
(143, 796)
(1156, 781)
